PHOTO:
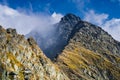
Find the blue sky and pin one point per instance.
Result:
(78, 7)
(17, 13)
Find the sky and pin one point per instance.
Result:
(26, 15)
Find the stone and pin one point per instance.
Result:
(11, 31)
(31, 41)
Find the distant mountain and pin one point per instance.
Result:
(22, 59)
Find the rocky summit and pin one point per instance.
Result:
(82, 51)
(22, 59)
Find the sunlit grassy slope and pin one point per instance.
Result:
(80, 63)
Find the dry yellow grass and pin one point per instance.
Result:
(76, 58)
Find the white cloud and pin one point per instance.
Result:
(111, 26)
(56, 17)
(80, 4)
(23, 22)
(95, 18)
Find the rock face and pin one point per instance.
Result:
(91, 54)
(22, 59)
(95, 38)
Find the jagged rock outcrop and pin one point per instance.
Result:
(63, 31)
(66, 25)
(22, 59)
(91, 54)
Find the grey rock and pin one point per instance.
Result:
(11, 31)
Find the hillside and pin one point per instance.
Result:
(22, 59)
(91, 54)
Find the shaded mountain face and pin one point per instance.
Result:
(22, 59)
(57, 39)
(91, 54)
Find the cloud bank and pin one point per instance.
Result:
(95, 18)
(24, 22)
(112, 26)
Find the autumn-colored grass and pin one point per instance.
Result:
(77, 58)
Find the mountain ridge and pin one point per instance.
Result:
(22, 59)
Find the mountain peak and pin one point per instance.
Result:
(70, 17)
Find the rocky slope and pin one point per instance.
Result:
(22, 59)
(80, 63)
(91, 54)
